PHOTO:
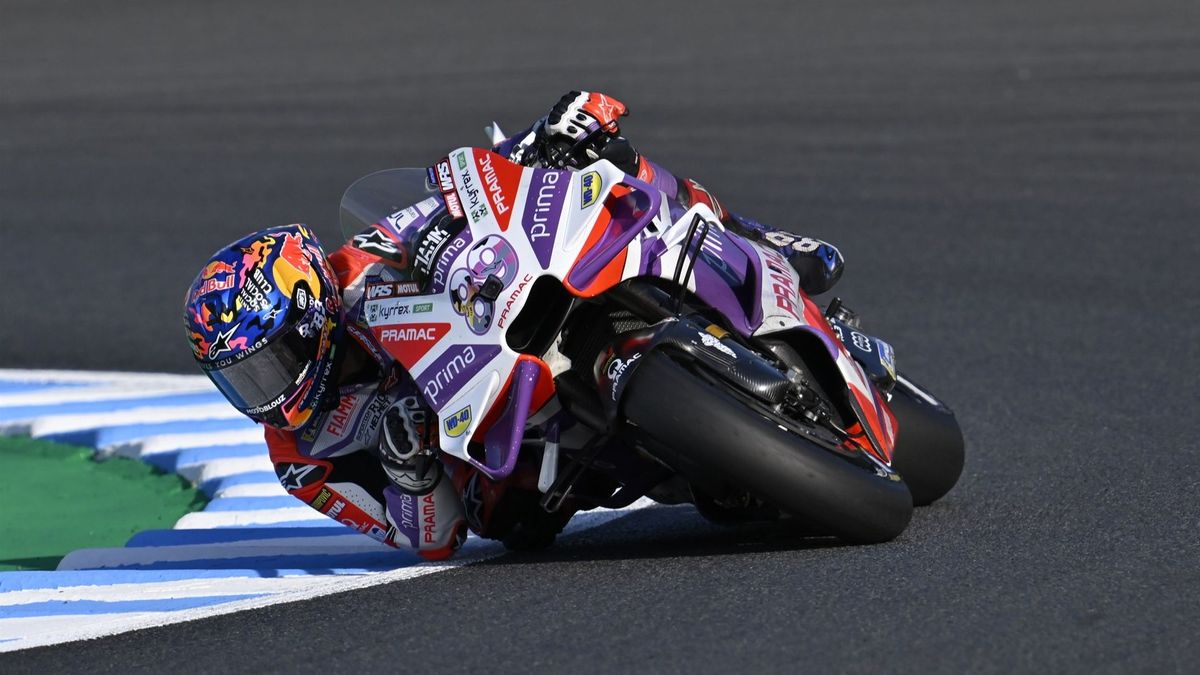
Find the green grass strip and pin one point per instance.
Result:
(56, 499)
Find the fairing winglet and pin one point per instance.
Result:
(493, 132)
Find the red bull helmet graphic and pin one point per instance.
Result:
(264, 316)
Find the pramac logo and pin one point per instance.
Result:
(500, 181)
(411, 341)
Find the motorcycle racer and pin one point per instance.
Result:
(278, 326)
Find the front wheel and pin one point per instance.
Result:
(929, 444)
(702, 430)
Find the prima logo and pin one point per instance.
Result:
(449, 373)
(545, 200)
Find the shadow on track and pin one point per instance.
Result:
(672, 532)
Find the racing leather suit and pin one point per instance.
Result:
(332, 463)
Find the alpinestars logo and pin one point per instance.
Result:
(294, 475)
(375, 241)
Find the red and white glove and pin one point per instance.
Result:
(580, 128)
(580, 114)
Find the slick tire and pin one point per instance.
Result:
(701, 430)
(929, 450)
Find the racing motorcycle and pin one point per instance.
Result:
(570, 323)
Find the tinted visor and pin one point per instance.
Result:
(269, 375)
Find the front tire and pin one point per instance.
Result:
(929, 450)
(701, 430)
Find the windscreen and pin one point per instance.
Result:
(375, 197)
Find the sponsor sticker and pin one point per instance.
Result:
(782, 286)
(458, 423)
(369, 426)
(616, 368)
(408, 342)
(392, 289)
(374, 241)
(543, 208)
(512, 299)
(445, 183)
(591, 184)
(453, 369)
(295, 476)
(431, 244)
(322, 497)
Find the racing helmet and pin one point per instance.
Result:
(264, 317)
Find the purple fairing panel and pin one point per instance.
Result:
(727, 276)
(446, 376)
(543, 208)
(502, 443)
(630, 215)
(718, 294)
(662, 179)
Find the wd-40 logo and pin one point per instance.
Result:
(456, 425)
(591, 185)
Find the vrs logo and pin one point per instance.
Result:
(457, 424)
(591, 184)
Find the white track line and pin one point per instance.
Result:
(99, 393)
(152, 445)
(272, 489)
(207, 520)
(161, 590)
(53, 630)
(85, 376)
(223, 468)
(56, 424)
(108, 558)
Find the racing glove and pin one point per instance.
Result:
(582, 128)
(412, 465)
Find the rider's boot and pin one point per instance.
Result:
(818, 264)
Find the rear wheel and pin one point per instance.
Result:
(711, 436)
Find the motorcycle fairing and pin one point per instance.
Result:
(590, 230)
(779, 305)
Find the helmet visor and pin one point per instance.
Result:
(266, 378)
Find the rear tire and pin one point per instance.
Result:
(702, 430)
(929, 450)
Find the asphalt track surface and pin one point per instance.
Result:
(1016, 187)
